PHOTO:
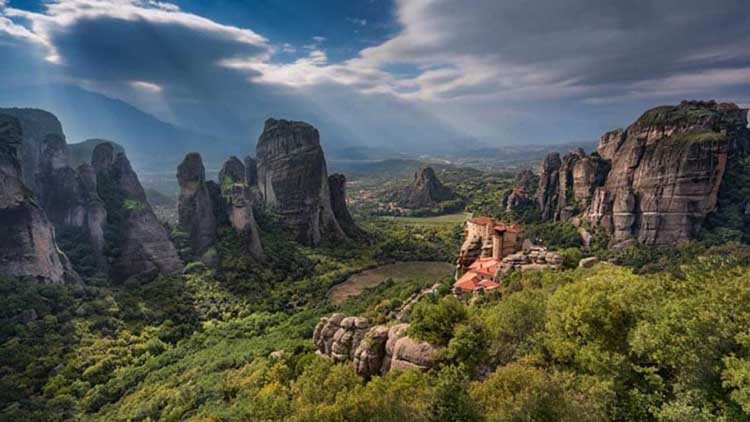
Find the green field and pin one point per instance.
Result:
(400, 271)
(439, 220)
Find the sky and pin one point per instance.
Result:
(411, 74)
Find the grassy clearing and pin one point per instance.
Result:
(400, 271)
(439, 220)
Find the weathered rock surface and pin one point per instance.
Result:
(27, 243)
(520, 196)
(337, 188)
(654, 182)
(531, 258)
(372, 350)
(233, 171)
(548, 193)
(567, 185)
(36, 126)
(667, 169)
(293, 180)
(239, 199)
(194, 207)
(142, 249)
(425, 191)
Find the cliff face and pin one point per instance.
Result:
(239, 198)
(293, 180)
(36, 126)
(337, 187)
(194, 207)
(27, 244)
(141, 247)
(667, 169)
(520, 195)
(425, 191)
(654, 182)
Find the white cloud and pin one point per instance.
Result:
(357, 21)
(63, 14)
(146, 86)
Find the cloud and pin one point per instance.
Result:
(506, 71)
(357, 21)
(537, 48)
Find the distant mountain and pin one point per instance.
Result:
(151, 143)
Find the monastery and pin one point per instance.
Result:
(487, 242)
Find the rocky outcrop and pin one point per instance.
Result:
(667, 169)
(425, 191)
(337, 188)
(27, 243)
(567, 185)
(372, 350)
(531, 258)
(239, 199)
(654, 182)
(194, 207)
(36, 126)
(520, 198)
(293, 180)
(548, 193)
(139, 248)
(233, 171)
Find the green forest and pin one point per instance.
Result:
(664, 336)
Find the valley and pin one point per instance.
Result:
(374, 211)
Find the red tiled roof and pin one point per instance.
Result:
(508, 227)
(482, 221)
(485, 266)
(468, 281)
(471, 281)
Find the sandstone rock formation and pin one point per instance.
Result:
(194, 207)
(425, 191)
(667, 169)
(337, 188)
(27, 244)
(654, 182)
(531, 258)
(520, 196)
(293, 180)
(567, 185)
(372, 350)
(548, 193)
(36, 126)
(239, 199)
(140, 248)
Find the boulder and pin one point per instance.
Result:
(293, 180)
(372, 350)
